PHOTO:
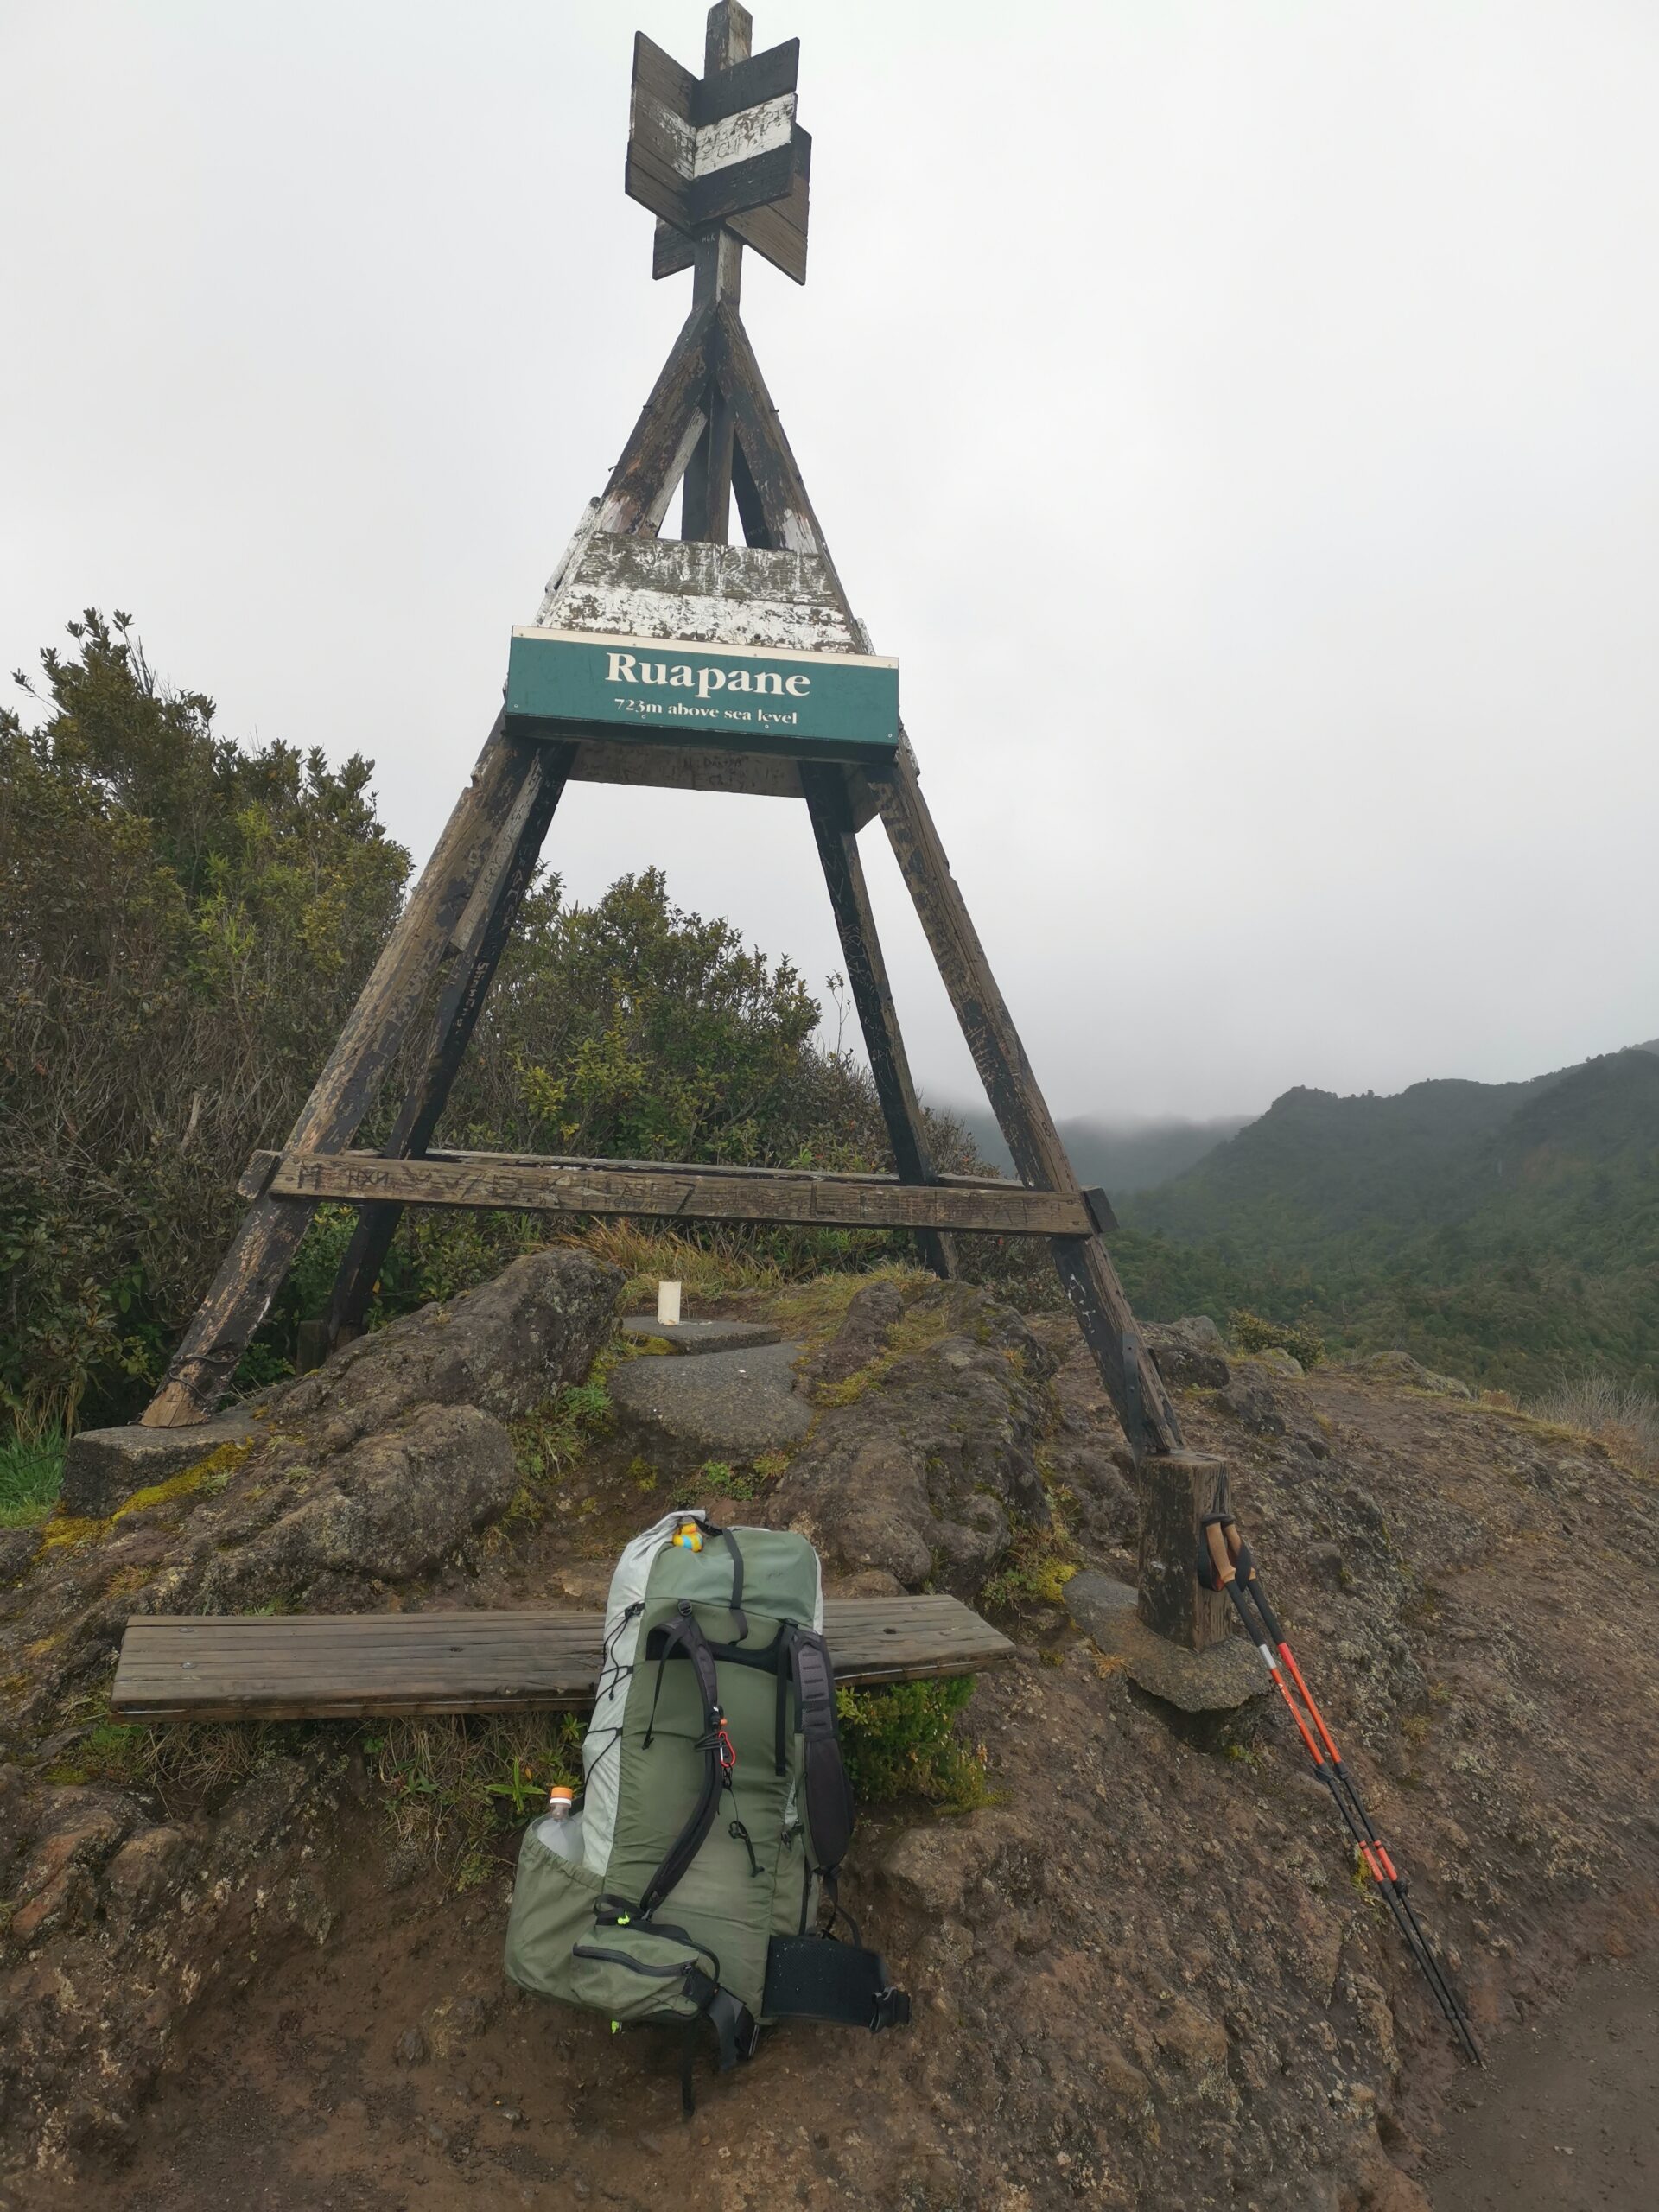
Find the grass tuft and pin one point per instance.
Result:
(455, 1787)
(1621, 1416)
(1253, 1333)
(31, 1475)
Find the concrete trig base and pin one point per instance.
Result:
(104, 1467)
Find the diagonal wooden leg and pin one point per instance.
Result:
(671, 424)
(775, 508)
(498, 898)
(866, 977)
(263, 1248)
(1085, 1269)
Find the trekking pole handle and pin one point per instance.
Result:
(1215, 1541)
(1245, 1567)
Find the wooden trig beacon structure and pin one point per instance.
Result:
(702, 665)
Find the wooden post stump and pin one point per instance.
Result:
(311, 1346)
(1177, 1490)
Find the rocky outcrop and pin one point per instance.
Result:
(116, 1923)
(394, 1505)
(866, 1330)
(1400, 1367)
(115, 1917)
(924, 1474)
(504, 1348)
(1189, 1353)
(1144, 1976)
(363, 1475)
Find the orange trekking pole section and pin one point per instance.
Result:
(1225, 1564)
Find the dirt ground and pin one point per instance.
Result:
(1143, 1975)
(1568, 2116)
(294, 2102)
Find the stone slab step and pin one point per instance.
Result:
(702, 1336)
(723, 1404)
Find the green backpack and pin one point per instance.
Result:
(715, 1811)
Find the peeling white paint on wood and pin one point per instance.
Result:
(658, 127)
(579, 536)
(739, 137)
(692, 151)
(696, 619)
(713, 594)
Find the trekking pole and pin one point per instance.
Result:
(1372, 1848)
(1225, 1563)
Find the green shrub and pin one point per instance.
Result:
(1253, 1333)
(1042, 1555)
(902, 1742)
(719, 1475)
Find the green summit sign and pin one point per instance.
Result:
(660, 691)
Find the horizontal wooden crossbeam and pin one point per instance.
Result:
(702, 1193)
(326, 1666)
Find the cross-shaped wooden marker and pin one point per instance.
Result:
(720, 159)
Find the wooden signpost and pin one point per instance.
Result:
(693, 665)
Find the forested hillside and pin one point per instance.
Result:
(1507, 1231)
(1120, 1156)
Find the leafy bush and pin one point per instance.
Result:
(902, 1741)
(1252, 1332)
(183, 925)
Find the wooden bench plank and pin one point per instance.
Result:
(323, 1666)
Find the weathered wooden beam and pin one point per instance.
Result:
(483, 940)
(643, 481)
(1097, 1297)
(263, 1251)
(294, 1667)
(775, 506)
(679, 768)
(694, 1193)
(772, 476)
(833, 827)
(717, 281)
(1177, 1490)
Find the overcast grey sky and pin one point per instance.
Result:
(1238, 416)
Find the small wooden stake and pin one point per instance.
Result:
(1177, 1490)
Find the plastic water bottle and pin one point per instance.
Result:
(559, 1829)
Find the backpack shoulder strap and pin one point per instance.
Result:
(828, 1794)
(684, 1634)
